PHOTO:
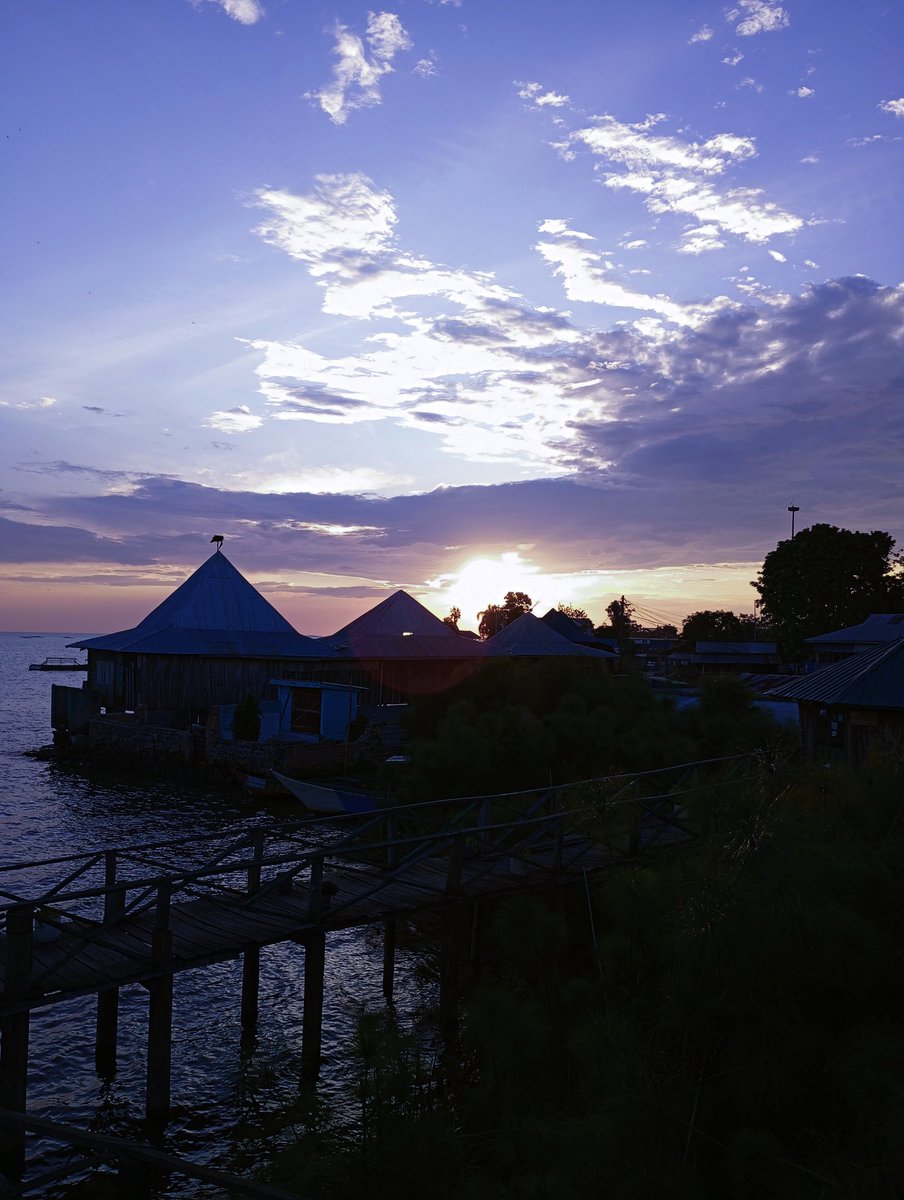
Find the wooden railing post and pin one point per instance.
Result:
(108, 998)
(315, 895)
(251, 959)
(14, 1033)
(160, 1011)
(483, 822)
(392, 851)
(456, 862)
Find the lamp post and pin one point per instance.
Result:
(792, 509)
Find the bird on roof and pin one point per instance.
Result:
(218, 538)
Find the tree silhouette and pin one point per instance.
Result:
(827, 578)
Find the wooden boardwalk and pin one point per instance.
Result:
(93, 923)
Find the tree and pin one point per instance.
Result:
(453, 618)
(712, 625)
(621, 620)
(827, 578)
(496, 616)
(578, 615)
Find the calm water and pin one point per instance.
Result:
(235, 1098)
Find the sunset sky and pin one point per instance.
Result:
(458, 296)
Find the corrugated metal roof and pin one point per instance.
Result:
(215, 612)
(871, 679)
(530, 637)
(401, 627)
(878, 627)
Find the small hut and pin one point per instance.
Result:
(214, 641)
(853, 706)
(531, 637)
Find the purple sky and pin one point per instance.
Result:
(432, 297)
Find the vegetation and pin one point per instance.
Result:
(722, 625)
(724, 1023)
(496, 616)
(827, 578)
(519, 724)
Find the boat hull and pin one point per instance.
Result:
(327, 801)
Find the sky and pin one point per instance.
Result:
(455, 296)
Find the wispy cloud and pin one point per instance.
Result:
(359, 70)
(234, 420)
(757, 16)
(703, 34)
(24, 405)
(247, 12)
(534, 94)
(675, 177)
(803, 92)
(895, 107)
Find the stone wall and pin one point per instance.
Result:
(121, 738)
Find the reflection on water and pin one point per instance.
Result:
(235, 1096)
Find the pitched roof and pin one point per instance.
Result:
(872, 679)
(216, 611)
(569, 628)
(530, 637)
(401, 627)
(878, 627)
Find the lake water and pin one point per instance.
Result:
(235, 1098)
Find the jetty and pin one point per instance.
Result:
(89, 924)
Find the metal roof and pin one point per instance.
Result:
(215, 612)
(530, 637)
(401, 627)
(568, 628)
(878, 627)
(872, 679)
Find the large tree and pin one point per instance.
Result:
(722, 625)
(827, 578)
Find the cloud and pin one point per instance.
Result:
(425, 67)
(760, 17)
(703, 34)
(42, 402)
(749, 82)
(533, 92)
(587, 277)
(732, 60)
(234, 420)
(803, 92)
(777, 256)
(895, 107)
(357, 73)
(246, 12)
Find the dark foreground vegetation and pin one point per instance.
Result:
(722, 1022)
(519, 724)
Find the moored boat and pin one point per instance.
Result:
(328, 801)
(59, 664)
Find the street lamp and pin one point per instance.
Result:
(792, 509)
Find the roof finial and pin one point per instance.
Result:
(218, 538)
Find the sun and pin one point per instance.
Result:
(483, 581)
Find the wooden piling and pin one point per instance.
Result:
(389, 949)
(14, 1034)
(312, 1019)
(251, 959)
(108, 998)
(160, 1013)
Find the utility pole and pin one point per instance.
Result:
(792, 509)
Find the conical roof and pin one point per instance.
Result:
(530, 637)
(401, 627)
(216, 611)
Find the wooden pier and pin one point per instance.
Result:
(93, 923)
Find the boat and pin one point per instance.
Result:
(327, 801)
(59, 664)
(258, 787)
